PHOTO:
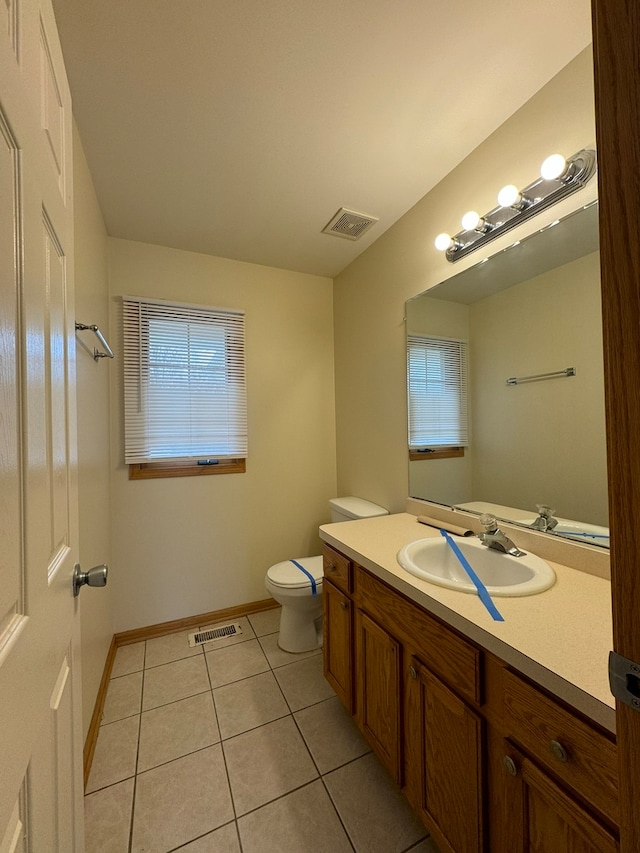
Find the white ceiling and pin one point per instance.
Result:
(238, 128)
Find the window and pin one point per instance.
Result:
(437, 393)
(184, 389)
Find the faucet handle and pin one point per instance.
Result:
(489, 522)
(545, 511)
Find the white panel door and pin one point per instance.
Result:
(40, 724)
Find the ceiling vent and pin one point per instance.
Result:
(349, 224)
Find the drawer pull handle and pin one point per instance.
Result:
(558, 751)
(413, 673)
(510, 765)
(331, 567)
(344, 605)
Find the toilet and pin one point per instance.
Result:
(297, 584)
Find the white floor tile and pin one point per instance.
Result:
(180, 801)
(265, 763)
(174, 730)
(281, 726)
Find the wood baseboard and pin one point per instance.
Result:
(94, 726)
(137, 635)
(163, 628)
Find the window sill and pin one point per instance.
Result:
(156, 470)
(439, 453)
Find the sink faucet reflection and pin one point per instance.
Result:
(494, 538)
(545, 520)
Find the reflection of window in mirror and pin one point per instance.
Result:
(437, 396)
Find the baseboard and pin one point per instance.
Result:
(152, 631)
(94, 726)
(137, 635)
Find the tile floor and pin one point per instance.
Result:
(236, 747)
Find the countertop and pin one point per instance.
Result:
(560, 638)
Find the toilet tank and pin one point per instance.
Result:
(348, 508)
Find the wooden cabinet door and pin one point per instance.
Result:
(378, 698)
(338, 643)
(451, 767)
(544, 818)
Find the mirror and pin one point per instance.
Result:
(531, 309)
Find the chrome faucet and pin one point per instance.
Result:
(545, 520)
(494, 538)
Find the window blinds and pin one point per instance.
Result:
(184, 382)
(437, 392)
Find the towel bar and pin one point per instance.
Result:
(81, 327)
(568, 371)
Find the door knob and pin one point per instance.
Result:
(97, 576)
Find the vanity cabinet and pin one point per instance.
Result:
(543, 816)
(487, 759)
(438, 676)
(559, 775)
(378, 691)
(338, 646)
(338, 643)
(445, 748)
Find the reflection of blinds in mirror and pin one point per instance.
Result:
(437, 392)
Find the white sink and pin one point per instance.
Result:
(582, 532)
(433, 560)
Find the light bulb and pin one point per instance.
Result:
(471, 220)
(443, 242)
(553, 167)
(509, 196)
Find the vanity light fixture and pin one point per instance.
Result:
(510, 196)
(472, 221)
(444, 242)
(555, 166)
(559, 178)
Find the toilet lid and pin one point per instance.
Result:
(289, 575)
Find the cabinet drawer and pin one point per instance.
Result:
(337, 568)
(444, 652)
(569, 747)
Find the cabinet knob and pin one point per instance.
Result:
(330, 567)
(344, 604)
(413, 672)
(510, 765)
(558, 750)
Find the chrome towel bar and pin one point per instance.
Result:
(82, 327)
(568, 371)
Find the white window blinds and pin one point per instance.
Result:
(184, 382)
(437, 392)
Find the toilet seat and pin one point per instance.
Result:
(288, 576)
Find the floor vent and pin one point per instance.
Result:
(349, 224)
(219, 632)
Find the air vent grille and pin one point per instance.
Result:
(218, 632)
(349, 224)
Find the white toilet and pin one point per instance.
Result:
(297, 584)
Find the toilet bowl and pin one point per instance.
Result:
(297, 584)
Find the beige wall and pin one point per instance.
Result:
(369, 295)
(92, 306)
(188, 545)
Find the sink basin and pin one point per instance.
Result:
(590, 534)
(433, 560)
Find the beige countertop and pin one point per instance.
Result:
(560, 638)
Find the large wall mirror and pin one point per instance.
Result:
(529, 310)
